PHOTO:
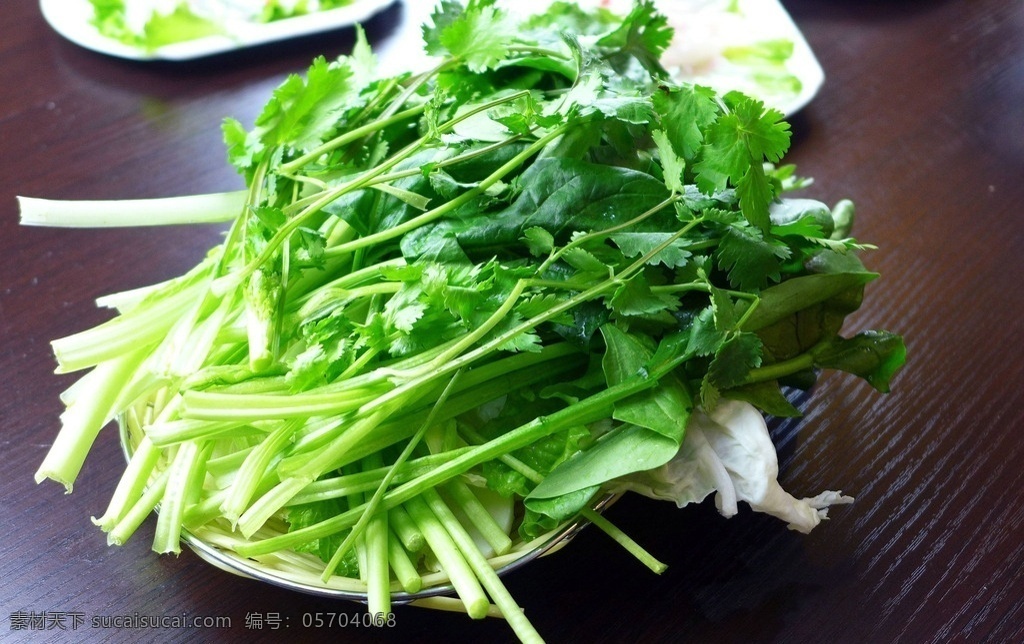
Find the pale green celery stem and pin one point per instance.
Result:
(374, 461)
(83, 420)
(226, 464)
(359, 364)
(367, 481)
(482, 569)
(124, 301)
(184, 483)
(478, 515)
(201, 342)
(591, 409)
(355, 501)
(214, 406)
(255, 467)
(348, 280)
(268, 504)
(261, 321)
(606, 526)
(450, 605)
(317, 431)
(405, 529)
(171, 346)
(142, 326)
(208, 509)
(495, 379)
(131, 485)
(378, 573)
(192, 209)
(451, 559)
(139, 510)
(402, 564)
(189, 429)
(298, 476)
(384, 373)
(369, 417)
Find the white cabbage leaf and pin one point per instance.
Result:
(730, 453)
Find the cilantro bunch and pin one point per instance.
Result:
(454, 309)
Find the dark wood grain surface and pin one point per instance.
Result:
(920, 121)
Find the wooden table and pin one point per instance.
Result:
(920, 121)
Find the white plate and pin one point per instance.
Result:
(72, 20)
(705, 29)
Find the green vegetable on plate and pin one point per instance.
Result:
(454, 310)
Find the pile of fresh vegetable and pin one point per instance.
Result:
(540, 272)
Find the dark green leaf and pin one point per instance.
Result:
(873, 355)
(560, 195)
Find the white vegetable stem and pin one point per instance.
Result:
(193, 209)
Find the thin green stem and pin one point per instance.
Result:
(255, 467)
(449, 206)
(451, 558)
(482, 569)
(405, 529)
(350, 136)
(599, 234)
(623, 540)
(495, 536)
(132, 484)
(405, 570)
(372, 503)
(587, 410)
(378, 570)
(781, 369)
(81, 423)
(587, 513)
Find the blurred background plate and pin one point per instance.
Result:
(72, 19)
(748, 45)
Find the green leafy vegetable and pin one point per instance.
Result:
(535, 274)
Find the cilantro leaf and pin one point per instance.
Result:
(635, 298)
(684, 114)
(637, 244)
(302, 113)
(479, 35)
(672, 164)
(644, 35)
(751, 258)
(736, 146)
